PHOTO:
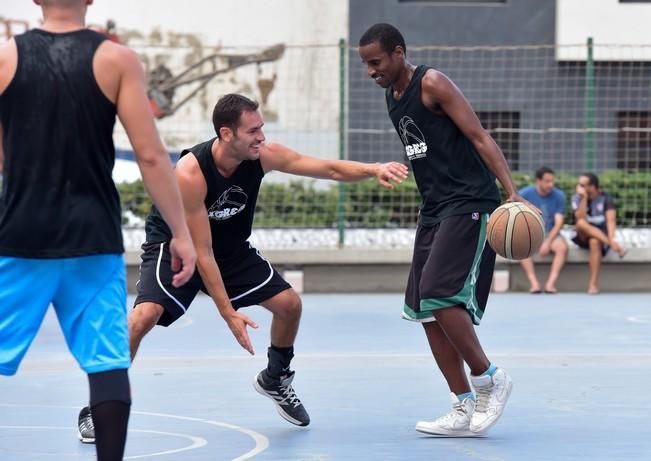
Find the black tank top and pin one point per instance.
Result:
(451, 177)
(230, 203)
(58, 197)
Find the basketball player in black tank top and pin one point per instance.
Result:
(219, 180)
(455, 162)
(61, 87)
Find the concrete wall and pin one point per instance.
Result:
(386, 271)
(523, 22)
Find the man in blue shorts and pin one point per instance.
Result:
(61, 87)
(550, 201)
(595, 216)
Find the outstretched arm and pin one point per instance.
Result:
(193, 190)
(437, 89)
(281, 158)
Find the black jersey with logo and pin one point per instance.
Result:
(58, 197)
(596, 210)
(230, 202)
(451, 177)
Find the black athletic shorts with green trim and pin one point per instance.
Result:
(248, 277)
(452, 266)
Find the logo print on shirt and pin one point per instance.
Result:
(230, 203)
(412, 138)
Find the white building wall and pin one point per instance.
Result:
(225, 22)
(302, 109)
(608, 22)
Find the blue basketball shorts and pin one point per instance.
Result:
(89, 297)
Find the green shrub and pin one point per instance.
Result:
(301, 204)
(134, 198)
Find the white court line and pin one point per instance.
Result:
(261, 442)
(638, 318)
(197, 442)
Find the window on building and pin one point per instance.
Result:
(634, 140)
(504, 127)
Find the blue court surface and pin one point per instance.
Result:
(581, 367)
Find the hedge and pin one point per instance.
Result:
(302, 203)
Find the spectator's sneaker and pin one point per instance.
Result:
(492, 395)
(283, 395)
(86, 426)
(454, 424)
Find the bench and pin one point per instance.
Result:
(378, 261)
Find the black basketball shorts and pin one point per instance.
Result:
(248, 277)
(452, 265)
(585, 244)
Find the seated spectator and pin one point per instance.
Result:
(551, 202)
(595, 215)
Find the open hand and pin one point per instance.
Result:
(238, 322)
(391, 172)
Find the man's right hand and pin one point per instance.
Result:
(515, 197)
(238, 322)
(184, 259)
(617, 247)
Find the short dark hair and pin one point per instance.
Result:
(593, 179)
(228, 110)
(64, 3)
(542, 171)
(387, 35)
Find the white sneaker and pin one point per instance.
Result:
(492, 395)
(454, 424)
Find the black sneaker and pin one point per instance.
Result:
(281, 392)
(85, 426)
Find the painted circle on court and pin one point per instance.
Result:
(261, 441)
(195, 442)
(642, 318)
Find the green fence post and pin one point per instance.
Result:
(341, 200)
(589, 107)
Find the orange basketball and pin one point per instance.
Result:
(515, 231)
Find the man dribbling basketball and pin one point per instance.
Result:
(455, 162)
